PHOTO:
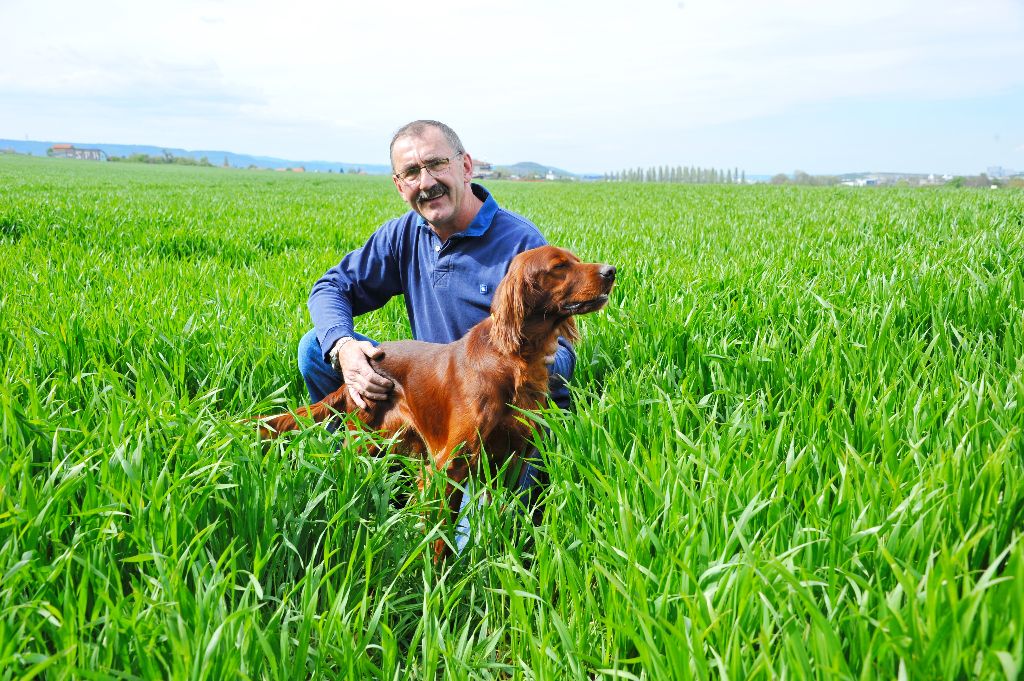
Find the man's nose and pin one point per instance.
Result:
(426, 180)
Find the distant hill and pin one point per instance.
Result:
(524, 169)
(37, 148)
(529, 168)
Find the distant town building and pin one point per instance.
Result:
(999, 172)
(482, 170)
(71, 151)
(550, 175)
(861, 182)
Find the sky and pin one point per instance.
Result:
(586, 86)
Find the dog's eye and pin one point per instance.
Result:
(560, 265)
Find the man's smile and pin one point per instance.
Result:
(435, 192)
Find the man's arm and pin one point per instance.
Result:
(364, 280)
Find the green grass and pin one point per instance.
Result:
(797, 450)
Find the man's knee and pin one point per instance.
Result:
(311, 357)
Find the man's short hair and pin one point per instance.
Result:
(417, 128)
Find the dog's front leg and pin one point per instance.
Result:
(455, 463)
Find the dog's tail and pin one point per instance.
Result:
(338, 402)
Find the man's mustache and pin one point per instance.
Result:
(434, 192)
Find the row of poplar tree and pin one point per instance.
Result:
(684, 174)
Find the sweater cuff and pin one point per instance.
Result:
(330, 337)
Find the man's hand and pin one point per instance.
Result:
(350, 358)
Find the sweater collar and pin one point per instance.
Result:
(481, 223)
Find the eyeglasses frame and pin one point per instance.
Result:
(423, 168)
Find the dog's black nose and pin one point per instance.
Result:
(608, 272)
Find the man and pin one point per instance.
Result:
(446, 256)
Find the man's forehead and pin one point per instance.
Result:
(429, 142)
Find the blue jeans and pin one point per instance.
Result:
(321, 380)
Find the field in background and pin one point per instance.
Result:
(797, 448)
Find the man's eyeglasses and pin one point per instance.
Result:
(437, 166)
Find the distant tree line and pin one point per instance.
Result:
(166, 158)
(680, 174)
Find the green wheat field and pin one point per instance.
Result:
(796, 451)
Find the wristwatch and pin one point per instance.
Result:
(338, 345)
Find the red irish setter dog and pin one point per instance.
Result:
(452, 401)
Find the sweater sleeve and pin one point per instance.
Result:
(561, 373)
(363, 281)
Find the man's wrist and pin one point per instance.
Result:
(340, 343)
(335, 353)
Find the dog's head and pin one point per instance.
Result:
(542, 291)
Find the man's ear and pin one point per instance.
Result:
(467, 166)
(398, 183)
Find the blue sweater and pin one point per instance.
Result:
(447, 286)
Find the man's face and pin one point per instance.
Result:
(437, 199)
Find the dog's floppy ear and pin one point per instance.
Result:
(508, 309)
